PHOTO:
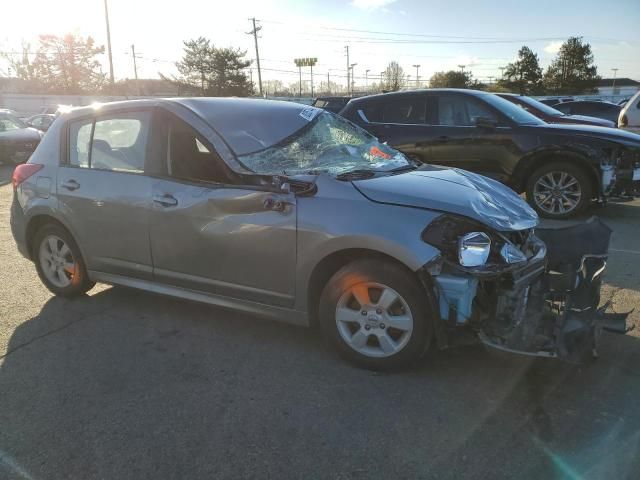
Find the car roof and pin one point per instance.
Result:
(247, 124)
(421, 91)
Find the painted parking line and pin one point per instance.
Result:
(619, 250)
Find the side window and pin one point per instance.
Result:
(7, 124)
(460, 111)
(189, 156)
(120, 141)
(373, 112)
(408, 110)
(79, 139)
(115, 142)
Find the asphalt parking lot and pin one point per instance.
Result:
(123, 384)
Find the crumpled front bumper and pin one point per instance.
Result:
(549, 306)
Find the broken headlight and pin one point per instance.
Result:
(474, 249)
(469, 243)
(512, 254)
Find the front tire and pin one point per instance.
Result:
(376, 315)
(559, 190)
(59, 262)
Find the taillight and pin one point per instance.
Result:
(24, 171)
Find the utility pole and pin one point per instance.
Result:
(254, 32)
(106, 17)
(366, 80)
(328, 84)
(348, 71)
(613, 86)
(417, 76)
(311, 65)
(490, 80)
(135, 67)
(462, 68)
(502, 72)
(300, 73)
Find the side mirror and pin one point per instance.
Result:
(484, 122)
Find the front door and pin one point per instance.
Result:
(104, 193)
(212, 235)
(458, 140)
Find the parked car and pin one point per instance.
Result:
(555, 100)
(331, 104)
(295, 213)
(630, 113)
(41, 121)
(17, 140)
(550, 114)
(592, 108)
(560, 167)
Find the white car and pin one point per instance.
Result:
(630, 114)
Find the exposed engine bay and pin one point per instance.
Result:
(542, 301)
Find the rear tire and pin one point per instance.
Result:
(59, 262)
(559, 190)
(396, 327)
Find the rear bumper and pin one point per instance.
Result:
(19, 227)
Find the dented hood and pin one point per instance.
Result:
(454, 191)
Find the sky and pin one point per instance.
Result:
(437, 35)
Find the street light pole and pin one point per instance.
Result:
(353, 80)
(417, 76)
(106, 17)
(613, 85)
(366, 80)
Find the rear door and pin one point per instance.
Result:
(209, 232)
(103, 191)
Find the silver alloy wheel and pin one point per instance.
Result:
(56, 261)
(557, 193)
(374, 320)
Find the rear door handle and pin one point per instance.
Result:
(166, 200)
(70, 185)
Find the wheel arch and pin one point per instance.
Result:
(529, 164)
(333, 262)
(38, 221)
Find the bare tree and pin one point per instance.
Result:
(393, 77)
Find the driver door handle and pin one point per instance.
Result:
(276, 204)
(166, 200)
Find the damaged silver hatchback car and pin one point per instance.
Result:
(294, 213)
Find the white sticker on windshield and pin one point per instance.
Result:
(309, 113)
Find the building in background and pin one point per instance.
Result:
(624, 87)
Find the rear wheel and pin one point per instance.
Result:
(559, 190)
(59, 262)
(375, 315)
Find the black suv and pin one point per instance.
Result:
(560, 167)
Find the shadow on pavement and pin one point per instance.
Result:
(6, 171)
(124, 384)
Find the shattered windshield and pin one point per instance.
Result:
(329, 144)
